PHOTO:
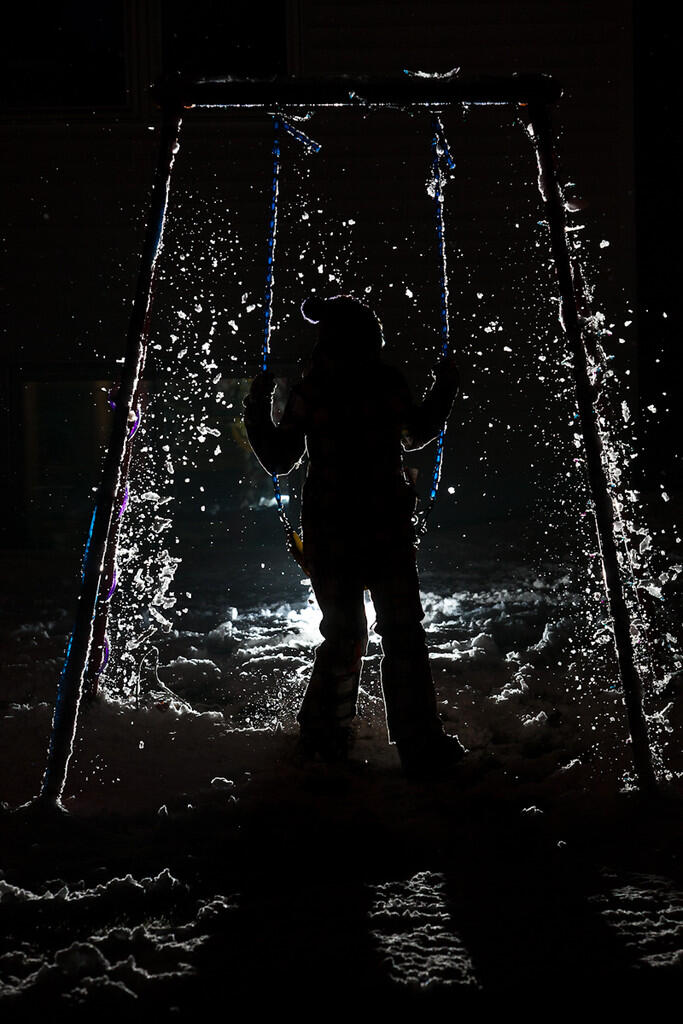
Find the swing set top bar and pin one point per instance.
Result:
(405, 91)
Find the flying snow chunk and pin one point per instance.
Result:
(604, 244)
(409, 294)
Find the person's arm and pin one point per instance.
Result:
(278, 448)
(424, 422)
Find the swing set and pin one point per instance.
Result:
(441, 164)
(531, 98)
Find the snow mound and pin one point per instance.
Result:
(115, 965)
(221, 639)
(191, 677)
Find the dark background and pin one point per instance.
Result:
(78, 126)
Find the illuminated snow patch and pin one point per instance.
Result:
(136, 956)
(414, 933)
(647, 914)
(300, 623)
(277, 628)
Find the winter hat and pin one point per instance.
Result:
(344, 321)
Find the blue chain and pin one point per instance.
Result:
(312, 147)
(272, 234)
(442, 162)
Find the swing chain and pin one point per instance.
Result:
(311, 146)
(442, 164)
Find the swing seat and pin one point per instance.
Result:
(296, 550)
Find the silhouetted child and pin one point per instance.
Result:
(353, 414)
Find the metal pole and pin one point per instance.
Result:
(540, 130)
(78, 651)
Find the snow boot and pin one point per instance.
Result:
(428, 757)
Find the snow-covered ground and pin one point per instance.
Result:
(197, 836)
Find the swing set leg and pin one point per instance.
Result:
(99, 652)
(78, 652)
(539, 121)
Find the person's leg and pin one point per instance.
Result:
(425, 751)
(330, 702)
(407, 684)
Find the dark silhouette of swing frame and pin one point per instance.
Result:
(534, 96)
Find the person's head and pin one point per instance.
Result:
(348, 329)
